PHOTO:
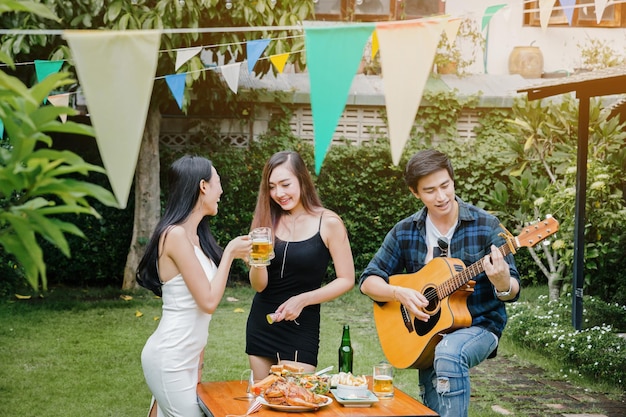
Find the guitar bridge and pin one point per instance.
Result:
(406, 318)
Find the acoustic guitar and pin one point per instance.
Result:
(410, 343)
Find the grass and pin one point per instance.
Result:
(77, 353)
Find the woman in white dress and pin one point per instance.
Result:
(184, 264)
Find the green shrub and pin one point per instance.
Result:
(596, 351)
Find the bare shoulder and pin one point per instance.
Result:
(174, 236)
(332, 222)
(331, 218)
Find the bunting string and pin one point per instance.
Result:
(59, 32)
(96, 55)
(576, 6)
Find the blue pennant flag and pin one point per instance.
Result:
(176, 83)
(255, 49)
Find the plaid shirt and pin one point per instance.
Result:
(404, 251)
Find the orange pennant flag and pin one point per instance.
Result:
(279, 61)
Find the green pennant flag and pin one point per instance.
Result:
(333, 55)
(45, 68)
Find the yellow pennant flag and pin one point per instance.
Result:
(279, 61)
(374, 44)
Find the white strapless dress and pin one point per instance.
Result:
(171, 355)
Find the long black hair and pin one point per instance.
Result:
(184, 179)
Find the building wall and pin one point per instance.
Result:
(357, 125)
(559, 45)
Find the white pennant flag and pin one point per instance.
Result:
(230, 72)
(600, 6)
(60, 100)
(407, 52)
(116, 71)
(451, 28)
(185, 54)
(545, 11)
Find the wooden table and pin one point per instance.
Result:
(219, 399)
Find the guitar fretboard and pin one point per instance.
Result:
(460, 279)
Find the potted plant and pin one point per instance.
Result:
(457, 57)
(597, 54)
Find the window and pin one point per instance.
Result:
(375, 10)
(584, 15)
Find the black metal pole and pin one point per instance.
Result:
(579, 217)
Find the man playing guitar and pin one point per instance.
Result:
(445, 226)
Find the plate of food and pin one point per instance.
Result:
(346, 378)
(287, 394)
(297, 406)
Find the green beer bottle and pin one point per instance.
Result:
(345, 351)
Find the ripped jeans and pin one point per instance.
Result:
(445, 387)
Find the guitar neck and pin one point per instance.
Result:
(460, 279)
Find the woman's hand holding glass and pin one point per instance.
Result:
(262, 247)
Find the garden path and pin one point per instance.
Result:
(530, 391)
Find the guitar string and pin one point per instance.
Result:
(504, 249)
(475, 269)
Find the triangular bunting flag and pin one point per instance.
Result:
(333, 55)
(407, 52)
(600, 6)
(545, 11)
(451, 29)
(185, 54)
(45, 68)
(60, 100)
(176, 84)
(116, 70)
(568, 9)
(374, 44)
(230, 72)
(279, 61)
(489, 12)
(255, 48)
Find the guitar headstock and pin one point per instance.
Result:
(538, 231)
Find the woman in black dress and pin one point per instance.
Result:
(306, 237)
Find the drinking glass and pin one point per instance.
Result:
(383, 380)
(262, 246)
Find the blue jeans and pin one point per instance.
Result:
(445, 387)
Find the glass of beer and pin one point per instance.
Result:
(383, 380)
(262, 246)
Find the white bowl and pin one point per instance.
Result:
(351, 391)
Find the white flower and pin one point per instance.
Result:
(597, 185)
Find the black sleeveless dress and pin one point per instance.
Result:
(305, 266)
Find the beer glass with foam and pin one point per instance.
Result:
(262, 246)
(382, 377)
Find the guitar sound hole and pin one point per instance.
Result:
(431, 294)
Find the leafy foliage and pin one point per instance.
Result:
(542, 145)
(37, 183)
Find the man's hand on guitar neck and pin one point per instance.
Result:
(497, 270)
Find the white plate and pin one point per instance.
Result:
(295, 408)
(356, 402)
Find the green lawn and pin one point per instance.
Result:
(77, 354)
